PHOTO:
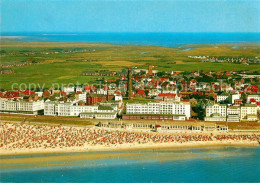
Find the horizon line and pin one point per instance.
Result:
(82, 32)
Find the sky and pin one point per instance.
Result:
(130, 16)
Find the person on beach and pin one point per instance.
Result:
(16, 136)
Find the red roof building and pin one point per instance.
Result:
(252, 100)
(12, 95)
(95, 99)
(163, 79)
(28, 92)
(167, 95)
(90, 89)
(140, 93)
(228, 73)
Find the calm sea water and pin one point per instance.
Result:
(229, 164)
(160, 39)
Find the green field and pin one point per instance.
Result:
(64, 68)
(46, 119)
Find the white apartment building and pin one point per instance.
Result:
(221, 98)
(81, 97)
(248, 112)
(101, 91)
(176, 98)
(234, 97)
(118, 97)
(68, 109)
(50, 108)
(103, 112)
(69, 89)
(233, 114)
(178, 108)
(7, 105)
(216, 109)
(30, 107)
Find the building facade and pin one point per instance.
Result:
(223, 97)
(70, 109)
(215, 117)
(27, 107)
(220, 109)
(97, 98)
(160, 108)
(233, 114)
(248, 112)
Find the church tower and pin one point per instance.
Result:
(129, 84)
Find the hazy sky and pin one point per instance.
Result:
(130, 16)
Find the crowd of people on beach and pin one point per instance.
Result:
(34, 136)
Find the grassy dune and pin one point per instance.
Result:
(46, 119)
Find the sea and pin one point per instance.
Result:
(214, 164)
(157, 39)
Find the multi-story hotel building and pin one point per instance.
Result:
(223, 97)
(233, 114)
(176, 109)
(84, 111)
(220, 109)
(26, 107)
(248, 112)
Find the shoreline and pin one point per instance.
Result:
(92, 157)
(132, 147)
(22, 38)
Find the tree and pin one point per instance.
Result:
(2, 52)
(243, 96)
(200, 111)
(160, 74)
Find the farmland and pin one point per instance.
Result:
(65, 62)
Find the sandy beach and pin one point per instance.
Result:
(23, 138)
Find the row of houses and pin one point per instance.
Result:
(232, 98)
(223, 112)
(99, 73)
(122, 73)
(15, 64)
(54, 108)
(6, 71)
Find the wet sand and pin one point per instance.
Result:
(62, 159)
(99, 148)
